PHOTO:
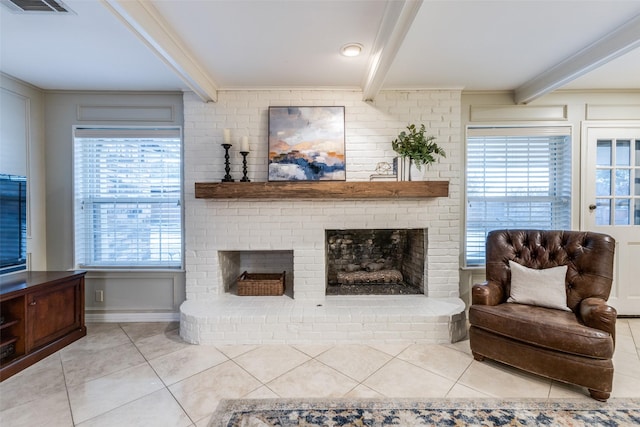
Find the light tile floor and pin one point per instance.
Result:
(142, 374)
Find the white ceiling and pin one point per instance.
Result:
(210, 45)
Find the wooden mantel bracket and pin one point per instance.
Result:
(322, 190)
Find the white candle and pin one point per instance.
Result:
(227, 136)
(245, 144)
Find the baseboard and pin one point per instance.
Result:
(131, 317)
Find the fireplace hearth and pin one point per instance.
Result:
(375, 261)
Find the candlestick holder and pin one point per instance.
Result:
(227, 169)
(244, 166)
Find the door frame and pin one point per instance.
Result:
(623, 300)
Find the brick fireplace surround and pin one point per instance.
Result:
(213, 227)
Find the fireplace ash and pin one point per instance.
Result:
(378, 276)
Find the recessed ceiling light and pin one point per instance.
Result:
(351, 49)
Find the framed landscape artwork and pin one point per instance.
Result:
(306, 144)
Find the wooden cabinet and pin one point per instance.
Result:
(40, 313)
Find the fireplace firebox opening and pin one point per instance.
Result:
(376, 261)
(233, 263)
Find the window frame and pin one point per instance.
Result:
(517, 131)
(169, 131)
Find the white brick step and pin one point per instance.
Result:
(231, 319)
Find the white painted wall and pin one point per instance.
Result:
(298, 225)
(149, 295)
(370, 128)
(559, 108)
(22, 153)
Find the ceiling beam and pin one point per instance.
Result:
(397, 19)
(147, 23)
(615, 44)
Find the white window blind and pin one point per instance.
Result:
(516, 178)
(127, 188)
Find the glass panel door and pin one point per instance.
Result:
(611, 204)
(617, 182)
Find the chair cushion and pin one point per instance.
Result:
(548, 328)
(543, 287)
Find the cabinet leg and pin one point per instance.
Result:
(477, 356)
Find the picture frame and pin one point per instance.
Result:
(307, 143)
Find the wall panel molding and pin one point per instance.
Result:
(612, 112)
(134, 291)
(127, 113)
(502, 113)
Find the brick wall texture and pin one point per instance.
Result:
(297, 226)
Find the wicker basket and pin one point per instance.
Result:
(261, 284)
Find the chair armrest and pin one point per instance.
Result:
(486, 293)
(596, 313)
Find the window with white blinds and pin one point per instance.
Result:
(127, 190)
(516, 178)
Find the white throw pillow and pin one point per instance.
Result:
(544, 288)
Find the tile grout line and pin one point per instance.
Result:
(165, 386)
(66, 387)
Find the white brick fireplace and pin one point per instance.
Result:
(296, 228)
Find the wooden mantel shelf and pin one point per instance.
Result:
(322, 190)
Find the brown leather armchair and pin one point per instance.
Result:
(573, 346)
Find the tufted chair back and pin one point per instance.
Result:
(588, 256)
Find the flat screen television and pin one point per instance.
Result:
(13, 223)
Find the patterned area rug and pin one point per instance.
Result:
(431, 412)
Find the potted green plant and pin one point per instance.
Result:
(418, 147)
